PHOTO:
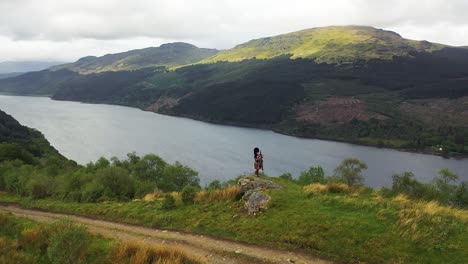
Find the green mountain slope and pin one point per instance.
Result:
(169, 55)
(18, 142)
(337, 44)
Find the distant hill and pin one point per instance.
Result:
(26, 66)
(169, 55)
(336, 44)
(43, 82)
(11, 74)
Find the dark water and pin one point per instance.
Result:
(85, 132)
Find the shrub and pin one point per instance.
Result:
(188, 194)
(117, 182)
(68, 243)
(169, 202)
(40, 187)
(177, 176)
(461, 195)
(286, 177)
(216, 184)
(350, 170)
(313, 175)
(92, 192)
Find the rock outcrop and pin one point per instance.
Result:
(254, 197)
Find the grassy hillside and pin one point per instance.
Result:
(169, 55)
(337, 44)
(347, 227)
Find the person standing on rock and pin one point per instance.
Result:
(258, 161)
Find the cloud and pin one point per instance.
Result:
(40, 26)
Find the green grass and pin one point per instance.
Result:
(338, 44)
(345, 228)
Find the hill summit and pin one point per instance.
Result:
(169, 55)
(334, 44)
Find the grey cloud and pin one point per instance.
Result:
(220, 23)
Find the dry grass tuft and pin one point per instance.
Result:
(150, 197)
(139, 253)
(336, 187)
(317, 188)
(402, 200)
(226, 194)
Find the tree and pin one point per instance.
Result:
(350, 170)
(447, 176)
(446, 191)
(178, 176)
(149, 168)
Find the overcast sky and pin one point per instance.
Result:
(67, 30)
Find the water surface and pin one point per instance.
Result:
(85, 132)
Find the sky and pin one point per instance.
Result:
(66, 30)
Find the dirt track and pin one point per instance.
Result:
(210, 249)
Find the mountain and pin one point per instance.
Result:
(43, 82)
(354, 84)
(25, 66)
(8, 75)
(336, 44)
(169, 55)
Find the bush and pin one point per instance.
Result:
(117, 182)
(188, 194)
(286, 177)
(461, 195)
(177, 176)
(68, 243)
(40, 187)
(92, 192)
(313, 175)
(169, 202)
(216, 184)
